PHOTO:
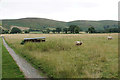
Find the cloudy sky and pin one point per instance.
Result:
(62, 10)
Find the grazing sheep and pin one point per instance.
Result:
(79, 42)
(109, 37)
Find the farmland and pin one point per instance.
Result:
(59, 57)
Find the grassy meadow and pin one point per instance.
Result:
(59, 57)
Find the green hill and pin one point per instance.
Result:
(99, 25)
(41, 23)
(35, 23)
(0, 22)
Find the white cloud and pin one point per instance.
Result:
(64, 10)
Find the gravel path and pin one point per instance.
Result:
(25, 67)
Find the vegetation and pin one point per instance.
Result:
(65, 30)
(59, 57)
(58, 30)
(34, 23)
(0, 30)
(0, 22)
(91, 30)
(112, 30)
(41, 23)
(15, 30)
(5, 31)
(9, 67)
(72, 28)
(27, 31)
(54, 31)
(48, 30)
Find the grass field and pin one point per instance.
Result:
(9, 67)
(59, 57)
(35, 32)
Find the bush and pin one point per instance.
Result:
(91, 30)
(2, 31)
(22, 42)
(26, 31)
(5, 32)
(15, 30)
(77, 29)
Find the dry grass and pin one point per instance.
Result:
(59, 57)
(21, 28)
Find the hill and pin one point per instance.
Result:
(42, 23)
(99, 25)
(35, 23)
(0, 22)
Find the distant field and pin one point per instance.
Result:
(9, 67)
(0, 22)
(35, 32)
(59, 57)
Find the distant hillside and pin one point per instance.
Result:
(0, 22)
(35, 23)
(99, 25)
(22, 28)
(41, 23)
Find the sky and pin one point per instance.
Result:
(62, 10)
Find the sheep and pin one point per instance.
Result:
(109, 37)
(79, 42)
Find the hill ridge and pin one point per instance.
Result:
(43, 23)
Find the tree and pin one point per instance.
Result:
(58, 30)
(5, 31)
(72, 28)
(77, 29)
(27, 31)
(15, 30)
(65, 30)
(112, 30)
(48, 30)
(53, 31)
(91, 30)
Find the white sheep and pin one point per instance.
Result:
(79, 42)
(109, 37)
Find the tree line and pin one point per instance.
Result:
(72, 29)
